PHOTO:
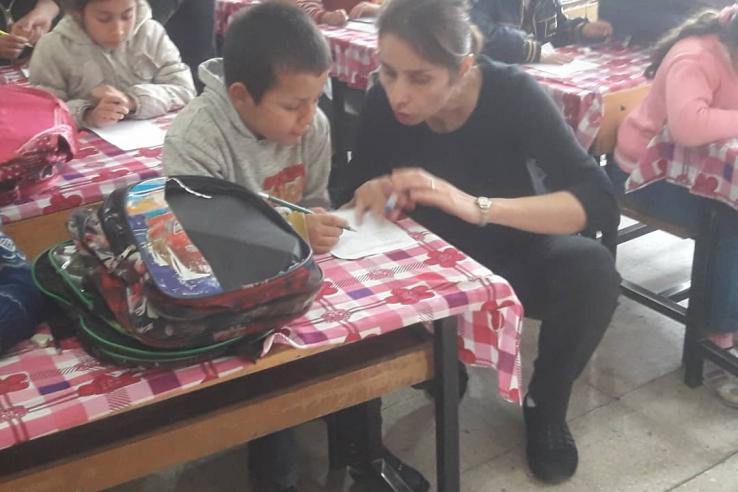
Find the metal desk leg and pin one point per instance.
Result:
(702, 271)
(447, 405)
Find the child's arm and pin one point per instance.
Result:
(320, 15)
(171, 87)
(568, 30)
(317, 163)
(46, 72)
(503, 42)
(314, 8)
(690, 115)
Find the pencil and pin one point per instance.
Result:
(296, 208)
(3, 33)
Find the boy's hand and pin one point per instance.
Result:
(335, 18)
(324, 230)
(107, 112)
(364, 9)
(11, 46)
(556, 58)
(597, 31)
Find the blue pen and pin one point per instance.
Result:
(390, 205)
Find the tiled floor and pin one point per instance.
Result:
(638, 427)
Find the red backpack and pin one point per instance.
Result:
(38, 134)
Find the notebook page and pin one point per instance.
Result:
(374, 236)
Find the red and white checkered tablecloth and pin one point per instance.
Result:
(224, 10)
(580, 94)
(42, 392)
(98, 169)
(706, 170)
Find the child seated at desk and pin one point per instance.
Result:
(109, 61)
(695, 95)
(21, 303)
(515, 30)
(338, 12)
(23, 22)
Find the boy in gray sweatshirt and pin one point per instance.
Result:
(257, 122)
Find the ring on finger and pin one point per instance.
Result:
(433, 184)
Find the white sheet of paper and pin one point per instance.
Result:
(369, 27)
(373, 236)
(566, 69)
(132, 134)
(26, 73)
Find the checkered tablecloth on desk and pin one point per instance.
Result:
(96, 171)
(579, 95)
(707, 170)
(42, 392)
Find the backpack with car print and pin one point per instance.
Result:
(188, 261)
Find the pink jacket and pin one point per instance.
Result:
(694, 94)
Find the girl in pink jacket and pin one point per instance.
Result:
(695, 95)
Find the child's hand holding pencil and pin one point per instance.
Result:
(12, 45)
(323, 228)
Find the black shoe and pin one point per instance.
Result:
(412, 477)
(551, 450)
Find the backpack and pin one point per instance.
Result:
(38, 135)
(181, 264)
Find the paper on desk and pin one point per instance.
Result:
(374, 236)
(574, 66)
(357, 25)
(132, 134)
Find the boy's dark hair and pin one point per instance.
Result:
(268, 38)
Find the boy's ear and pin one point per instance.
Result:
(240, 96)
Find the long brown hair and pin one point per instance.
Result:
(702, 24)
(440, 31)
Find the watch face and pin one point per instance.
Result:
(484, 202)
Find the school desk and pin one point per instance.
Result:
(38, 219)
(710, 172)
(68, 422)
(594, 101)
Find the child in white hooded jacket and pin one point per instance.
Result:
(108, 60)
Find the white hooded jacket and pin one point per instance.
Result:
(146, 66)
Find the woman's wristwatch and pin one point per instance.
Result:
(483, 204)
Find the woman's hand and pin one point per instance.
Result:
(420, 187)
(597, 30)
(372, 197)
